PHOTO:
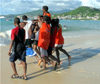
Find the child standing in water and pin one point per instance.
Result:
(59, 41)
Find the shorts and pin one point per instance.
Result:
(58, 45)
(35, 42)
(43, 52)
(14, 56)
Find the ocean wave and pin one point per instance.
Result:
(5, 38)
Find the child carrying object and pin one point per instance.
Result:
(29, 50)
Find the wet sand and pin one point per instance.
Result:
(84, 69)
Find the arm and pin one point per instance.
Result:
(11, 44)
(12, 41)
(30, 32)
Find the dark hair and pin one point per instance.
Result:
(24, 17)
(40, 15)
(55, 22)
(45, 8)
(47, 19)
(17, 20)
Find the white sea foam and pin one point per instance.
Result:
(2, 17)
(5, 37)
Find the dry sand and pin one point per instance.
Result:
(84, 69)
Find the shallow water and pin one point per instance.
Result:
(71, 28)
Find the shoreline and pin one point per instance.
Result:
(84, 69)
(67, 36)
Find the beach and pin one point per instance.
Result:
(84, 69)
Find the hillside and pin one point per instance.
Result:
(81, 13)
(29, 14)
(32, 14)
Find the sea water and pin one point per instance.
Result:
(71, 28)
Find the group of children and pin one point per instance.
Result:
(40, 37)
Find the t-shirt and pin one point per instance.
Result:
(59, 37)
(14, 33)
(37, 36)
(27, 26)
(44, 36)
(18, 36)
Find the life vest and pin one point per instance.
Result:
(59, 38)
(44, 36)
(48, 14)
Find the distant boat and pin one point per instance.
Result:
(2, 17)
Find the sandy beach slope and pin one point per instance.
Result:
(84, 69)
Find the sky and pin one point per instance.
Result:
(22, 6)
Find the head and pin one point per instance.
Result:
(22, 24)
(55, 22)
(46, 19)
(40, 18)
(24, 17)
(16, 21)
(45, 8)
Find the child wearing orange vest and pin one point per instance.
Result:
(59, 41)
(44, 39)
(45, 11)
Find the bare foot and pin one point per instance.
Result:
(61, 62)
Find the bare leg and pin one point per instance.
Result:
(54, 58)
(65, 52)
(24, 68)
(57, 53)
(36, 50)
(13, 65)
(44, 62)
(39, 62)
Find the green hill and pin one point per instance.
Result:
(81, 13)
(29, 14)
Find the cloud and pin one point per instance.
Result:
(91, 3)
(98, 0)
(60, 4)
(18, 6)
(21, 6)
